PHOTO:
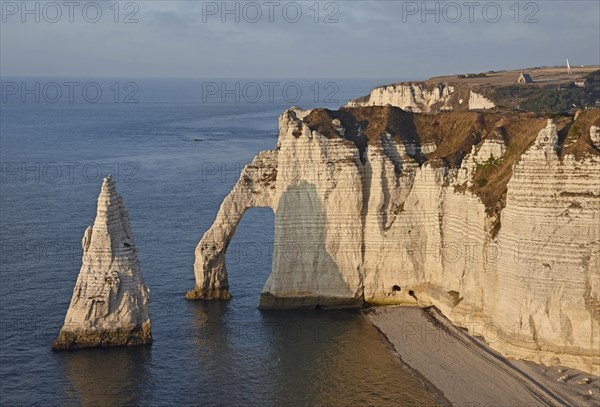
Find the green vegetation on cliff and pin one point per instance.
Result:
(551, 98)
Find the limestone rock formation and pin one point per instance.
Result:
(255, 188)
(423, 97)
(477, 101)
(490, 216)
(110, 303)
(497, 90)
(417, 97)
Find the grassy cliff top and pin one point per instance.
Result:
(553, 89)
(542, 76)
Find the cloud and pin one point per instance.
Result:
(334, 39)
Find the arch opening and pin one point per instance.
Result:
(249, 255)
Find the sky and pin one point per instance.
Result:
(287, 39)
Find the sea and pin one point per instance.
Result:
(175, 148)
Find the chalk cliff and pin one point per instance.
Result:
(551, 91)
(490, 216)
(110, 303)
(425, 97)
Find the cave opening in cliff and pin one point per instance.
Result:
(396, 287)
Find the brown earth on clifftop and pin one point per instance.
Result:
(454, 133)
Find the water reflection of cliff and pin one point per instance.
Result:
(212, 349)
(104, 377)
(337, 358)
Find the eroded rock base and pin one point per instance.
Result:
(103, 339)
(200, 294)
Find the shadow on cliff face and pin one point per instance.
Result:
(100, 376)
(304, 274)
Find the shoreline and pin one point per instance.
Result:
(464, 370)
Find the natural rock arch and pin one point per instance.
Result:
(255, 188)
(394, 197)
(317, 206)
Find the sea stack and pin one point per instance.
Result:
(110, 303)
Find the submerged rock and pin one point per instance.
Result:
(110, 303)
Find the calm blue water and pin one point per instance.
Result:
(164, 152)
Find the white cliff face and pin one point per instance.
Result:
(110, 303)
(477, 101)
(549, 241)
(423, 98)
(386, 222)
(595, 136)
(290, 180)
(316, 223)
(488, 151)
(409, 96)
